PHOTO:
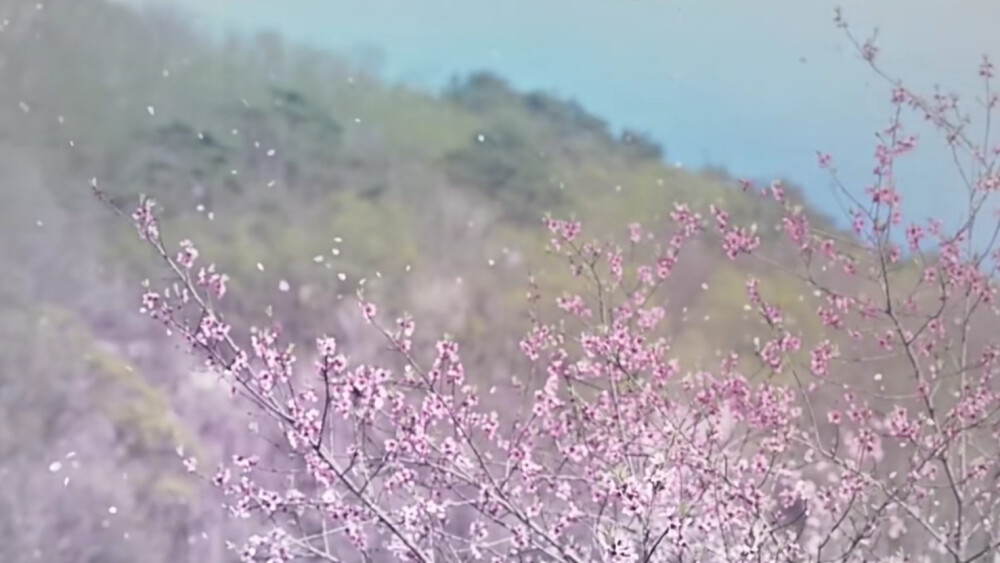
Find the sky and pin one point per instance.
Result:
(757, 87)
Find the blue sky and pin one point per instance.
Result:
(754, 86)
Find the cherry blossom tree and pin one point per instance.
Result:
(873, 439)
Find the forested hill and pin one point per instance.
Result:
(299, 174)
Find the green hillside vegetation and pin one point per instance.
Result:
(290, 151)
(273, 158)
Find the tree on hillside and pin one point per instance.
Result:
(506, 166)
(480, 92)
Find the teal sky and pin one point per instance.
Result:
(753, 86)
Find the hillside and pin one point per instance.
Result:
(299, 174)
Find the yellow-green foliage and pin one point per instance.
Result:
(139, 411)
(612, 197)
(144, 419)
(143, 409)
(375, 236)
(378, 233)
(551, 272)
(411, 123)
(719, 320)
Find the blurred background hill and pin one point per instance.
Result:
(299, 172)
